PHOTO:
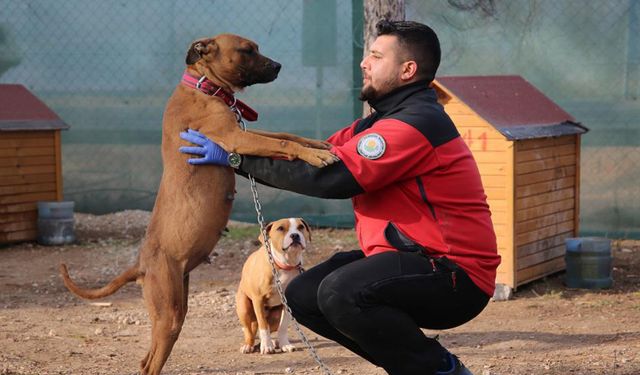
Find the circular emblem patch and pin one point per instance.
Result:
(371, 146)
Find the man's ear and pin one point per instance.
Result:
(268, 229)
(198, 49)
(307, 227)
(409, 70)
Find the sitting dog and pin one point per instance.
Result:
(258, 303)
(193, 203)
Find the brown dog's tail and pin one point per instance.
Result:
(126, 277)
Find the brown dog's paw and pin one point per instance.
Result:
(321, 145)
(319, 158)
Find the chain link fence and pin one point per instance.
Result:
(108, 67)
(584, 55)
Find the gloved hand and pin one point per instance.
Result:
(210, 151)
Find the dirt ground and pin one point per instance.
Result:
(545, 329)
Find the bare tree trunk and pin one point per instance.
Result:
(374, 11)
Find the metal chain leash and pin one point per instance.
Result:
(274, 271)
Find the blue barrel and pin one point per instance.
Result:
(589, 263)
(55, 223)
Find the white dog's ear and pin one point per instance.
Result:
(268, 229)
(306, 226)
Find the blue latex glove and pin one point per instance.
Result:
(210, 151)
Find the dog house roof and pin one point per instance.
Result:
(21, 110)
(512, 105)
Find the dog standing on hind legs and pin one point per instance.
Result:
(193, 204)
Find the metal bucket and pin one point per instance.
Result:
(589, 263)
(55, 223)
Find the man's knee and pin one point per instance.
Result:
(292, 291)
(336, 297)
(300, 295)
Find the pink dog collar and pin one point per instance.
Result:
(209, 88)
(287, 267)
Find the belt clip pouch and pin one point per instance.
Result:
(400, 241)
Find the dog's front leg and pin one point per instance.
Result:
(307, 142)
(266, 345)
(283, 338)
(248, 143)
(231, 138)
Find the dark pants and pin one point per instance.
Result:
(375, 306)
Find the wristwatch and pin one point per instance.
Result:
(234, 160)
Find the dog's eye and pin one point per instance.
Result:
(280, 229)
(247, 51)
(300, 227)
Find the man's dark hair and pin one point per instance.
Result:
(418, 42)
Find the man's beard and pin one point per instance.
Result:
(369, 93)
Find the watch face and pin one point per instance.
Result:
(234, 160)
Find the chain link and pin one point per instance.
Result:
(274, 270)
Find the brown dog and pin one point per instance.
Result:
(258, 303)
(193, 203)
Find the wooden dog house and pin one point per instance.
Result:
(30, 161)
(528, 152)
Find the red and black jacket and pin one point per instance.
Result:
(423, 192)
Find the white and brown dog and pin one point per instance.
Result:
(258, 303)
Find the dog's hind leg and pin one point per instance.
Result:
(165, 294)
(244, 308)
(273, 317)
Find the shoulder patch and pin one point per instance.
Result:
(372, 146)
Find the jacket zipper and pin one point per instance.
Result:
(423, 193)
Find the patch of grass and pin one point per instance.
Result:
(548, 288)
(553, 293)
(243, 233)
(601, 303)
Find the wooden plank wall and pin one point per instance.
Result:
(545, 204)
(494, 155)
(28, 174)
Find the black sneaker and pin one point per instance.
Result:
(455, 367)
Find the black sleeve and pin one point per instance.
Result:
(334, 181)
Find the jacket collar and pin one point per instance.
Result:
(396, 96)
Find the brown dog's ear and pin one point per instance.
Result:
(198, 49)
(307, 227)
(195, 52)
(268, 229)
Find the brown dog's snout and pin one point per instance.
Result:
(276, 66)
(273, 67)
(295, 237)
